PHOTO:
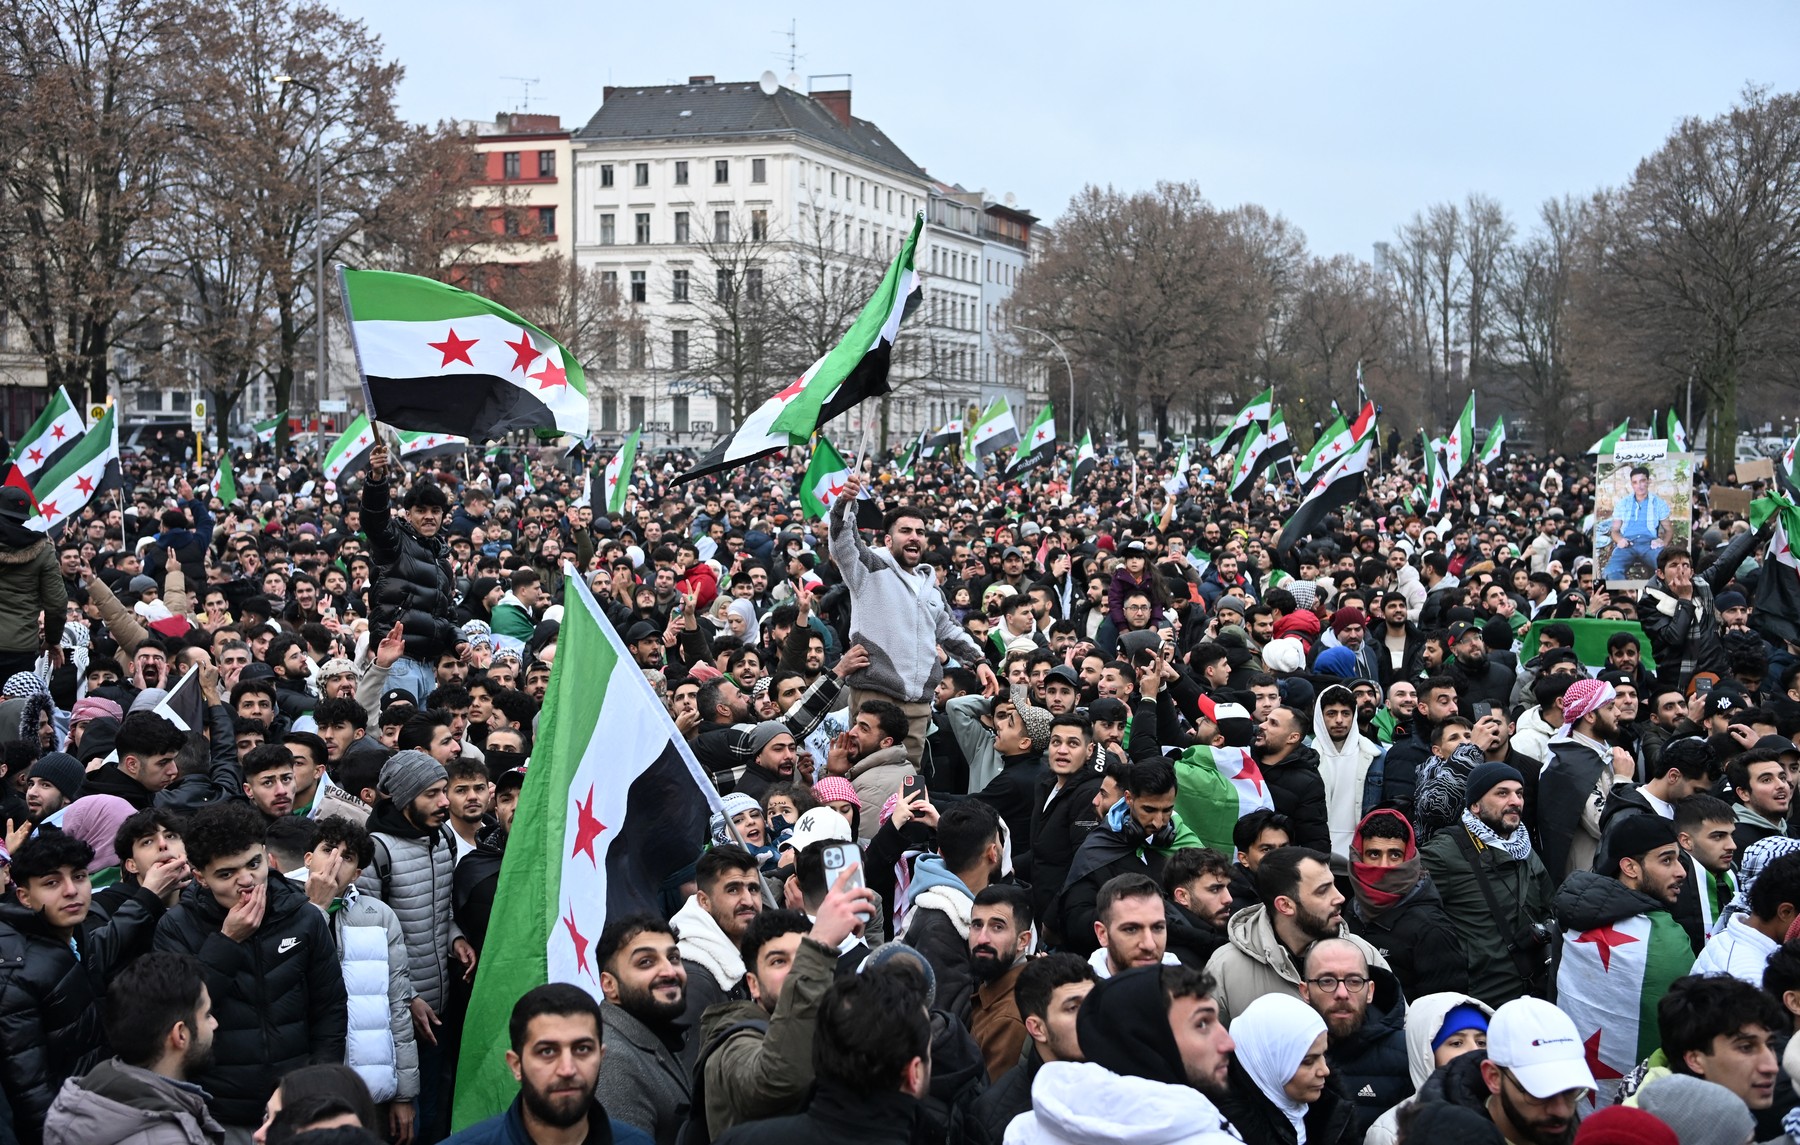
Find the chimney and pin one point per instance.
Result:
(837, 103)
(700, 79)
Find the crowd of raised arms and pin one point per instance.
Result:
(1157, 831)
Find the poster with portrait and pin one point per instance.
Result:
(1643, 503)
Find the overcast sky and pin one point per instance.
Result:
(1344, 118)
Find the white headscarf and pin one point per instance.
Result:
(743, 608)
(1273, 1036)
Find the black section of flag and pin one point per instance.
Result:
(656, 846)
(479, 407)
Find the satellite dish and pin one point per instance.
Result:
(769, 84)
(793, 81)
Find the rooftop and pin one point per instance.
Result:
(722, 110)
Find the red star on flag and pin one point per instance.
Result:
(551, 375)
(34, 455)
(1250, 771)
(454, 349)
(832, 491)
(793, 388)
(49, 509)
(431, 441)
(1605, 938)
(587, 828)
(580, 941)
(58, 430)
(524, 353)
(84, 484)
(1601, 1071)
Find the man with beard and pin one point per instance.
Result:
(1396, 640)
(1393, 721)
(1506, 942)
(1132, 927)
(1197, 881)
(645, 1079)
(942, 894)
(898, 613)
(1292, 772)
(1132, 838)
(1530, 1079)
(1300, 905)
(53, 783)
(1048, 994)
(1604, 982)
(712, 922)
(556, 1055)
(478, 872)
(999, 935)
(1579, 760)
(773, 756)
(871, 754)
(1365, 1018)
(1157, 1055)
(160, 1025)
(1395, 907)
(1436, 699)
(1477, 677)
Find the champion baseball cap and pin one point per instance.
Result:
(1537, 1043)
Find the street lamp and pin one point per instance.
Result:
(1066, 366)
(318, 250)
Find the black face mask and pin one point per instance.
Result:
(500, 762)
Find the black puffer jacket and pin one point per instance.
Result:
(1458, 1082)
(1372, 1063)
(1331, 1120)
(50, 1018)
(1418, 940)
(1059, 824)
(1299, 793)
(413, 585)
(278, 996)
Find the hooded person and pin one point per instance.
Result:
(1576, 764)
(1282, 1092)
(1395, 908)
(1134, 1085)
(1345, 756)
(1439, 1028)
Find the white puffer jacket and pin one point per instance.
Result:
(381, 1046)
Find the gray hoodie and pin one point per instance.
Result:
(123, 1105)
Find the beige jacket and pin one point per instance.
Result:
(1255, 963)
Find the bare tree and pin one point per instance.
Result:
(1340, 319)
(1486, 235)
(1532, 308)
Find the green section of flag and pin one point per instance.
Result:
(357, 439)
(617, 481)
(265, 430)
(823, 471)
(91, 445)
(1591, 635)
(1496, 442)
(226, 485)
(1611, 441)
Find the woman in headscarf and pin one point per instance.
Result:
(95, 820)
(1281, 1091)
(1439, 1029)
(740, 620)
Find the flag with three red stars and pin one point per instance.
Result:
(1615, 968)
(444, 360)
(92, 465)
(613, 809)
(52, 435)
(1217, 786)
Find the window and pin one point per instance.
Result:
(720, 345)
(722, 414)
(681, 172)
(609, 414)
(862, 192)
(639, 291)
(681, 226)
(753, 282)
(606, 175)
(148, 400)
(510, 222)
(679, 292)
(759, 225)
(721, 170)
(546, 164)
(643, 227)
(640, 175)
(890, 202)
(678, 350)
(681, 413)
(834, 182)
(721, 226)
(606, 230)
(722, 282)
(609, 284)
(640, 351)
(509, 165)
(637, 413)
(546, 219)
(759, 170)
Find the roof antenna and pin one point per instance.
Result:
(524, 104)
(792, 54)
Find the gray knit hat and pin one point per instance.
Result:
(759, 736)
(141, 584)
(407, 775)
(1700, 1112)
(888, 951)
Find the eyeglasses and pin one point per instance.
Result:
(1330, 982)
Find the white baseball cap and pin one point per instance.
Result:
(820, 823)
(1538, 1044)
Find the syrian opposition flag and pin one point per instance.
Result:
(1039, 445)
(1329, 446)
(428, 443)
(824, 480)
(618, 473)
(1496, 443)
(1085, 458)
(1459, 447)
(905, 465)
(441, 359)
(1678, 438)
(1611, 441)
(265, 430)
(1214, 788)
(1609, 982)
(1777, 611)
(1177, 482)
(1440, 479)
(614, 804)
(350, 450)
(1260, 451)
(1256, 411)
(63, 490)
(994, 430)
(950, 434)
(51, 436)
(1335, 487)
(225, 484)
(184, 705)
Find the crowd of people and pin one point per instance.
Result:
(1050, 810)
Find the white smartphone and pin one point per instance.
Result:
(840, 857)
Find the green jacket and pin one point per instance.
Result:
(758, 1074)
(1524, 892)
(30, 583)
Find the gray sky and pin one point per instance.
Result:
(1344, 118)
